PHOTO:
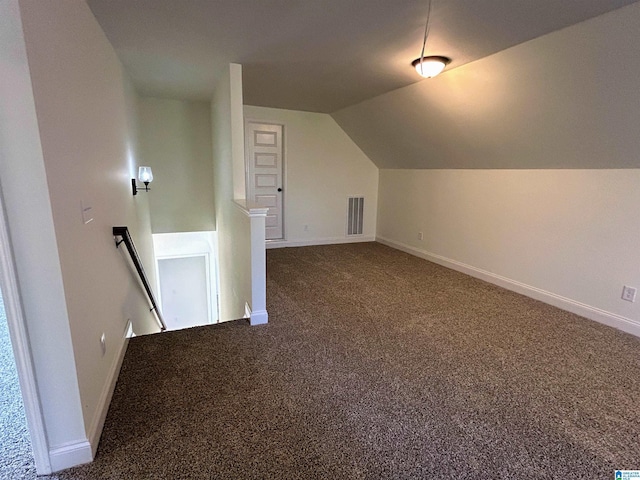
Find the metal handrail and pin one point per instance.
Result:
(123, 232)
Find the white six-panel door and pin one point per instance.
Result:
(264, 173)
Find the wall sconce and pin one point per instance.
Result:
(145, 175)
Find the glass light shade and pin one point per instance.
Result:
(429, 67)
(145, 174)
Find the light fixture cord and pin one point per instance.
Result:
(424, 42)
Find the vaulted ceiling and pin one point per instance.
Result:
(316, 55)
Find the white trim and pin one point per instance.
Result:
(285, 183)
(249, 209)
(70, 454)
(258, 271)
(259, 317)
(283, 167)
(22, 350)
(319, 241)
(97, 424)
(258, 261)
(582, 309)
(216, 272)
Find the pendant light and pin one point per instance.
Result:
(429, 66)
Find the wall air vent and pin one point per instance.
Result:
(355, 215)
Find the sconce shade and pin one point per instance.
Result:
(145, 175)
(429, 67)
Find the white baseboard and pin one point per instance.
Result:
(319, 241)
(70, 454)
(97, 424)
(260, 317)
(584, 310)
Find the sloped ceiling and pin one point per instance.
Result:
(317, 56)
(569, 99)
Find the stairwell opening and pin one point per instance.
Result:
(187, 280)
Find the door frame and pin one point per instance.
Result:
(22, 348)
(283, 167)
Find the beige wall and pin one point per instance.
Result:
(565, 100)
(323, 167)
(508, 166)
(570, 233)
(175, 140)
(234, 249)
(85, 110)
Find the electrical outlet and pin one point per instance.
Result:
(629, 293)
(420, 236)
(103, 344)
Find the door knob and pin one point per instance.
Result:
(279, 189)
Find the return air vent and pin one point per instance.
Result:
(355, 215)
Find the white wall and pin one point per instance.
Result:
(30, 223)
(76, 284)
(323, 167)
(175, 140)
(189, 244)
(184, 295)
(232, 226)
(567, 237)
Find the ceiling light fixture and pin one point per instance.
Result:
(432, 65)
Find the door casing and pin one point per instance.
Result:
(22, 349)
(282, 170)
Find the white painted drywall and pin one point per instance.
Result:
(323, 167)
(175, 141)
(571, 233)
(565, 100)
(183, 291)
(85, 108)
(189, 244)
(31, 227)
(237, 133)
(232, 225)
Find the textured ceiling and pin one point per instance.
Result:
(315, 55)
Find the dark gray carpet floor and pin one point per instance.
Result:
(376, 364)
(16, 457)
